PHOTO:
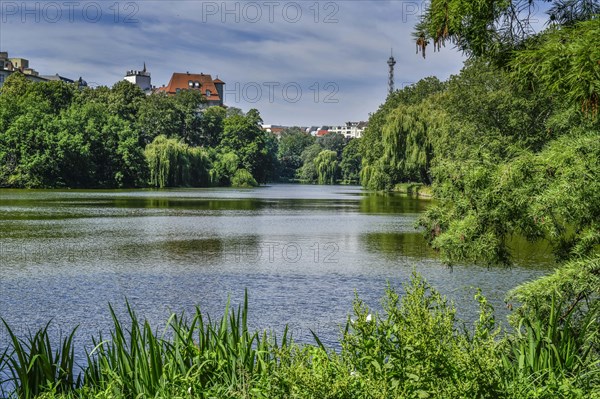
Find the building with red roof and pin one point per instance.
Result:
(211, 89)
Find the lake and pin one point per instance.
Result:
(301, 251)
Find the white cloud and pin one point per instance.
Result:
(179, 36)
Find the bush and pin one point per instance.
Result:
(416, 348)
(243, 178)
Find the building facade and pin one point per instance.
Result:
(350, 129)
(142, 79)
(9, 66)
(211, 89)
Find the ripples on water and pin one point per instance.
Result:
(301, 251)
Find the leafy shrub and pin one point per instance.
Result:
(243, 178)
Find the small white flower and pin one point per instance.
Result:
(353, 373)
(189, 390)
(369, 318)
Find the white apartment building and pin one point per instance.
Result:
(350, 129)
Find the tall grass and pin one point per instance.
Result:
(415, 348)
(33, 366)
(555, 347)
(138, 362)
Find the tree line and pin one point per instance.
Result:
(53, 134)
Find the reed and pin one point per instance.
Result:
(555, 347)
(413, 349)
(33, 366)
(140, 362)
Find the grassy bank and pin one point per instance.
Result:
(418, 190)
(416, 348)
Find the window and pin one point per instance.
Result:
(191, 84)
(197, 85)
(207, 93)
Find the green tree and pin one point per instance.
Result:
(189, 104)
(211, 126)
(292, 143)
(378, 173)
(308, 172)
(351, 161)
(224, 167)
(492, 29)
(326, 165)
(563, 62)
(158, 115)
(243, 178)
(243, 135)
(333, 142)
(124, 100)
(173, 163)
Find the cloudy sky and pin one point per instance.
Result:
(297, 62)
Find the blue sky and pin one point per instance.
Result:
(298, 62)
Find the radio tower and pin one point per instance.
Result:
(391, 62)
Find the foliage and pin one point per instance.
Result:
(243, 178)
(224, 167)
(333, 142)
(327, 168)
(552, 195)
(575, 285)
(211, 126)
(53, 134)
(377, 173)
(308, 171)
(158, 116)
(34, 366)
(174, 163)
(555, 346)
(351, 161)
(416, 348)
(564, 62)
(50, 138)
(492, 29)
(292, 143)
(257, 151)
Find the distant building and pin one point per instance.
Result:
(9, 66)
(312, 130)
(57, 77)
(322, 131)
(275, 129)
(350, 129)
(211, 89)
(317, 130)
(141, 79)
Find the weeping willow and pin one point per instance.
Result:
(243, 178)
(407, 143)
(327, 167)
(173, 163)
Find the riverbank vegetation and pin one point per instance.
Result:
(511, 148)
(54, 134)
(511, 145)
(415, 348)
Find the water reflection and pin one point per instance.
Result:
(391, 203)
(397, 244)
(301, 251)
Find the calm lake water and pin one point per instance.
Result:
(301, 251)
